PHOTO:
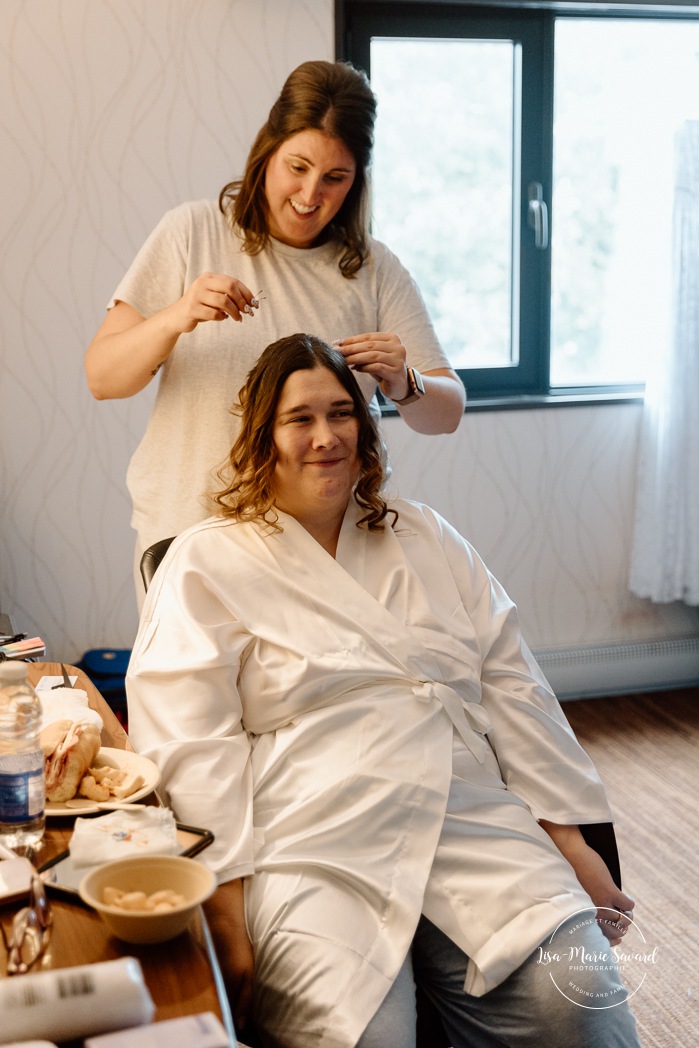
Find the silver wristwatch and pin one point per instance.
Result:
(416, 388)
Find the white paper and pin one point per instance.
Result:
(31, 1044)
(121, 834)
(203, 1030)
(46, 683)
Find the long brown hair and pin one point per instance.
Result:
(248, 475)
(332, 97)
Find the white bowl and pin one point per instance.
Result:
(148, 873)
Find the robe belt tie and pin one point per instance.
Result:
(469, 718)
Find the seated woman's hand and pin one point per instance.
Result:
(226, 919)
(235, 958)
(614, 907)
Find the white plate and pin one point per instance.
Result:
(133, 762)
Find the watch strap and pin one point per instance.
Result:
(416, 388)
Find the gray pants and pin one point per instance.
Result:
(525, 1011)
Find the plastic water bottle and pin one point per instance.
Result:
(22, 790)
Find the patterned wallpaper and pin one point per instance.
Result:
(114, 111)
(546, 497)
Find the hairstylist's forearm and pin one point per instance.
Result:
(127, 351)
(442, 407)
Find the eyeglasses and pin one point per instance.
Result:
(30, 933)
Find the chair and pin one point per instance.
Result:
(151, 559)
(600, 836)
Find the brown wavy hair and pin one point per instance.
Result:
(248, 475)
(332, 97)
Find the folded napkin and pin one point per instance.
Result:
(66, 704)
(121, 834)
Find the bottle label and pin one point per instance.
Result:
(22, 790)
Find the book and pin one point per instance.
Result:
(23, 649)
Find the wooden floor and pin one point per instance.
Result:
(646, 747)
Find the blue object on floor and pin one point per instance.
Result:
(106, 668)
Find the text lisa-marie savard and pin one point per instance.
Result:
(615, 955)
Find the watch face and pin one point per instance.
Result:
(416, 383)
(416, 387)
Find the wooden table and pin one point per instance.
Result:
(182, 975)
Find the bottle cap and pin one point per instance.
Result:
(12, 672)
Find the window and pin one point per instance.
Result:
(523, 172)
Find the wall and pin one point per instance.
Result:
(547, 496)
(111, 114)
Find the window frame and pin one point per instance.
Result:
(532, 25)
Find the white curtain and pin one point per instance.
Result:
(665, 554)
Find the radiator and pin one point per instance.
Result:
(614, 669)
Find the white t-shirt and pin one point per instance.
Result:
(191, 429)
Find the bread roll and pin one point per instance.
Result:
(70, 747)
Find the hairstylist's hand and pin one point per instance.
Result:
(382, 355)
(213, 296)
(128, 349)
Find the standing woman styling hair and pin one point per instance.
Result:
(296, 228)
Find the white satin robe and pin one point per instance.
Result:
(326, 718)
